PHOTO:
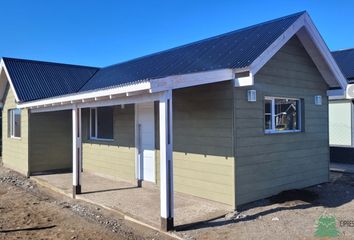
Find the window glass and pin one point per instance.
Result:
(102, 123)
(9, 123)
(14, 123)
(17, 122)
(281, 114)
(286, 114)
(93, 122)
(105, 122)
(268, 114)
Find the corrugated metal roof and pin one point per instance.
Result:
(345, 61)
(37, 80)
(237, 49)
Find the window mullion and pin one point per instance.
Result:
(273, 114)
(13, 123)
(96, 123)
(90, 122)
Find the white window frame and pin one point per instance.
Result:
(11, 125)
(298, 111)
(96, 128)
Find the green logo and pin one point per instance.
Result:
(326, 227)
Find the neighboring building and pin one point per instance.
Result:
(233, 118)
(341, 117)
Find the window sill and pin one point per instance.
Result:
(101, 139)
(15, 138)
(281, 131)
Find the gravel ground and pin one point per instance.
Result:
(28, 211)
(289, 215)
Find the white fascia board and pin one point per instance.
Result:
(3, 68)
(152, 86)
(319, 45)
(336, 94)
(147, 97)
(191, 79)
(75, 98)
(52, 108)
(257, 64)
(304, 21)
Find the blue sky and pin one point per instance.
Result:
(100, 33)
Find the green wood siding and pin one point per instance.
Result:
(340, 123)
(268, 164)
(114, 159)
(15, 151)
(203, 142)
(50, 141)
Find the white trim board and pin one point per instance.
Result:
(314, 45)
(148, 97)
(3, 85)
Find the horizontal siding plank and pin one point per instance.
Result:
(269, 163)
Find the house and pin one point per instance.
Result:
(232, 118)
(341, 117)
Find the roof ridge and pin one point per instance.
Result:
(48, 63)
(209, 38)
(343, 50)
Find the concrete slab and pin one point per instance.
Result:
(342, 167)
(142, 204)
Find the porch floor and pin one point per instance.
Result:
(142, 204)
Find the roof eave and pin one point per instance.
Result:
(304, 28)
(142, 87)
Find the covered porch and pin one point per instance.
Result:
(140, 203)
(205, 164)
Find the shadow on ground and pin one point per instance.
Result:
(337, 192)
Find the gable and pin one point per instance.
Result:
(292, 67)
(9, 99)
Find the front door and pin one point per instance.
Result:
(146, 140)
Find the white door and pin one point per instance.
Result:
(146, 140)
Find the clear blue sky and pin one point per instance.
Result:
(100, 33)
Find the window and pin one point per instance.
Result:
(14, 123)
(101, 123)
(282, 115)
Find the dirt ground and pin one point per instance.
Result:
(289, 215)
(28, 211)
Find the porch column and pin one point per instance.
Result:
(166, 162)
(76, 126)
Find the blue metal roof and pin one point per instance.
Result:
(34, 80)
(237, 49)
(345, 61)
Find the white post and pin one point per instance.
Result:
(166, 162)
(138, 148)
(77, 165)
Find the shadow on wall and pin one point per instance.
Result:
(123, 127)
(202, 120)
